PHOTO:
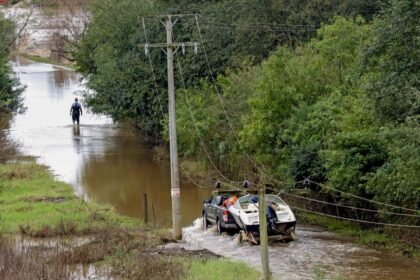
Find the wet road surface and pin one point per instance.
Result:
(103, 163)
(110, 165)
(315, 252)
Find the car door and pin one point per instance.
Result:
(212, 211)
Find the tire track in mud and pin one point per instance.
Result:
(315, 252)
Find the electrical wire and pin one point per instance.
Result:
(153, 71)
(225, 112)
(351, 207)
(249, 157)
(314, 212)
(347, 219)
(196, 127)
(362, 198)
(355, 220)
(218, 171)
(223, 176)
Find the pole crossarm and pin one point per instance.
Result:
(166, 45)
(171, 15)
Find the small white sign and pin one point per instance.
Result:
(176, 193)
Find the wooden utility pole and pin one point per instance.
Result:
(175, 191)
(263, 234)
(171, 49)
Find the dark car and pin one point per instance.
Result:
(215, 213)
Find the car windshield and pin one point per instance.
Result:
(244, 199)
(275, 199)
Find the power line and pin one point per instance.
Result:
(362, 198)
(247, 155)
(225, 112)
(207, 153)
(355, 220)
(347, 219)
(352, 207)
(196, 127)
(223, 176)
(261, 28)
(152, 68)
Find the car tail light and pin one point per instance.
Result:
(225, 216)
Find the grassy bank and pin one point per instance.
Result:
(34, 204)
(41, 59)
(31, 199)
(377, 237)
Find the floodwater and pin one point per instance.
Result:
(103, 163)
(109, 165)
(316, 253)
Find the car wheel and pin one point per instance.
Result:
(205, 222)
(220, 228)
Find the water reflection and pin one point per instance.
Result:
(103, 163)
(132, 159)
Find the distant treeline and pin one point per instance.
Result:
(325, 90)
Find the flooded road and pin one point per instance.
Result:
(103, 163)
(315, 253)
(109, 165)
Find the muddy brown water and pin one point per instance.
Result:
(109, 165)
(103, 163)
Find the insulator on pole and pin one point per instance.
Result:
(146, 49)
(195, 48)
(183, 48)
(218, 185)
(245, 184)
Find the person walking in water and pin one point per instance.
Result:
(76, 111)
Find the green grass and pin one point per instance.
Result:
(41, 59)
(220, 269)
(30, 196)
(31, 199)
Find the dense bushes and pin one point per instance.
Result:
(308, 115)
(119, 72)
(339, 107)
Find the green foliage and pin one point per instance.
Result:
(10, 89)
(32, 197)
(397, 181)
(200, 114)
(302, 91)
(120, 75)
(321, 104)
(304, 114)
(392, 59)
(116, 66)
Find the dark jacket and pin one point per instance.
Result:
(76, 108)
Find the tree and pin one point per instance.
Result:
(10, 89)
(392, 61)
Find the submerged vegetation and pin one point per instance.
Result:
(44, 211)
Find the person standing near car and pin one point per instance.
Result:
(76, 111)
